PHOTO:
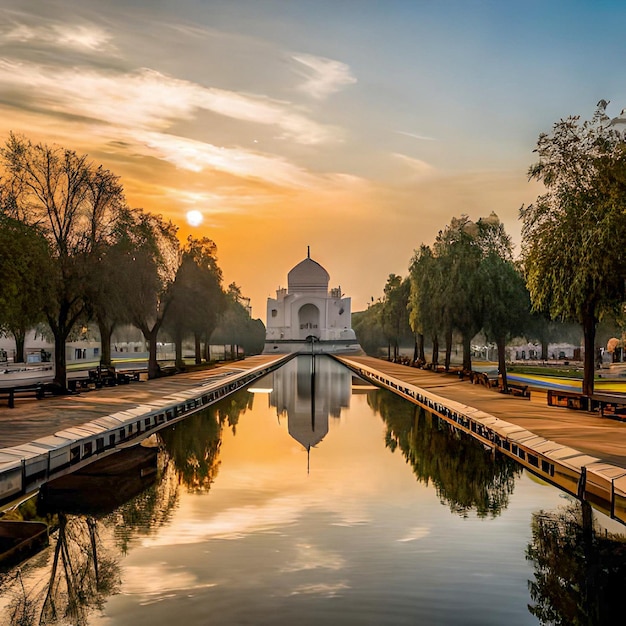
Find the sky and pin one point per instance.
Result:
(359, 128)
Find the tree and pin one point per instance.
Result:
(572, 235)
(197, 296)
(236, 329)
(506, 304)
(107, 290)
(75, 204)
(425, 302)
(24, 267)
(367, 328)
(394, 313)
(458, 250)
(148, 269)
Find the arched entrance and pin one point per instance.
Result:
(309, 321)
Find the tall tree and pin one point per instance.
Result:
(506, 305)
(572, 235)
(369, 332)
(75, 205)
(149, 266)
(394, 312)
(24, 267)
(425, 305)
(236, 328)
(197, 296)
(458, 250)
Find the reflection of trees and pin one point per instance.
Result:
(466, 476)
(82, 575)
(579, 571)
(148, 511)
(193, 445)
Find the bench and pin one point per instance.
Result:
(518, 390)
(102, 377)
(610, 405)
(569, 399)
(124, 378)
(24, 391)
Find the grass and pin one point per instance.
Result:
(542, 370)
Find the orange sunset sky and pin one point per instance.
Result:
(357, 127)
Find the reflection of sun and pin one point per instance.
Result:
(194, 218)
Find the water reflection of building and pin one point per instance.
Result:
(308, 390)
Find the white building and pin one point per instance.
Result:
(307, 316)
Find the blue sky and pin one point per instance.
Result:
(357, 127)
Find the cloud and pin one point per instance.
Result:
(326, 75)
(83, 37)
(420, 168)
(149, 99)
(196, 156)
(415, 136)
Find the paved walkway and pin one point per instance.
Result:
(31, 418)
(587, 432)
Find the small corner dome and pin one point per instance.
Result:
(308, 275)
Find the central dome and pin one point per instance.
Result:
(307, 276)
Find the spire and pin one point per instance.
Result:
(308, 252)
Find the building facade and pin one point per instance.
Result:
(307, 316)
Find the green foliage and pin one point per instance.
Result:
(394, 315)
(75, 205)
(196, 294)
(505, 303)
(573, 234)
(368, 329)
(236, 328)
(25, 271)
(461, 283)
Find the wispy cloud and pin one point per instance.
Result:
(195, 156)
(326, 76)
(415, 136)
(150, 100)
(418, 167)
(84, 37)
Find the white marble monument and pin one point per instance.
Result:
(307, 316)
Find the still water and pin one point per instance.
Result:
(312, 498)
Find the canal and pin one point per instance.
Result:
(309, 498)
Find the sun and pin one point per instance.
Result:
(194, 218)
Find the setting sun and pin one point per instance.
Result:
(194, 218)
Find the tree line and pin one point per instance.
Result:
(572, 267)
(72, 251)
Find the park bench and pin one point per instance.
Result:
(610, 405)
(124, 378)
(102, 377)
(569, 399)
(518, 390)
(22, 391)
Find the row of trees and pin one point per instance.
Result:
(465, 282)
(572, 267)
(72, 251)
